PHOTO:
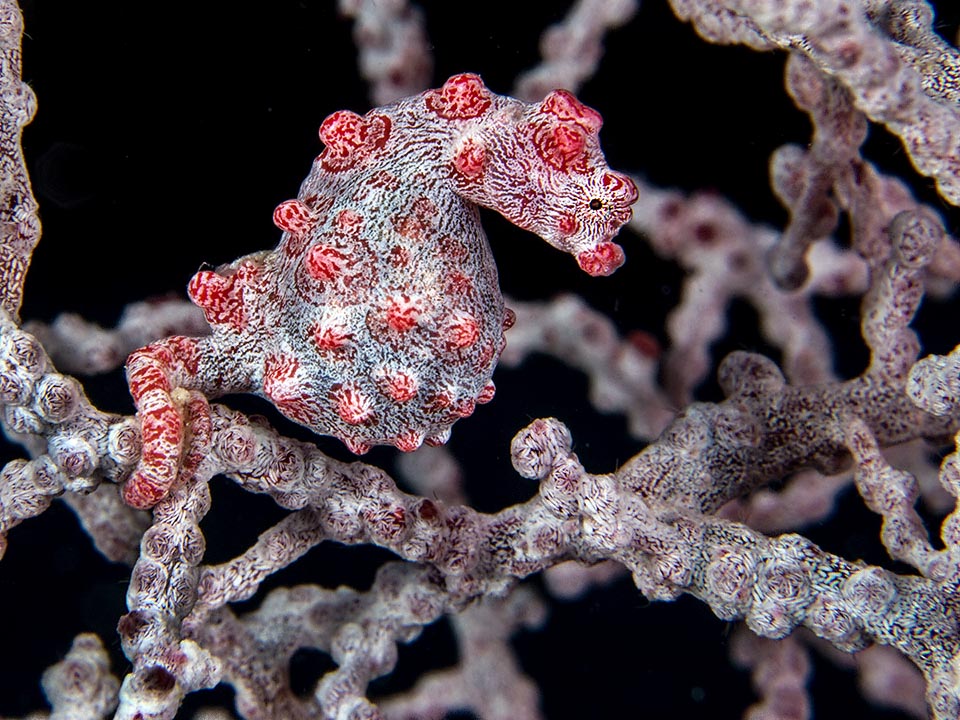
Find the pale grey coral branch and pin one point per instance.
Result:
(240, 578)
(776, 584)
(79, 687)
(19, 222)
(393, 53)
(75, 446)
(622, 371)
(724, 255)
(779, 671)
(910, 24)
(851, 41)
(79, 346)
(487, 680)
(572, 49)
(656, 515)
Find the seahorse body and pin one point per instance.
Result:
(379, 319)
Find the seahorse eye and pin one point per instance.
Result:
(596, 204)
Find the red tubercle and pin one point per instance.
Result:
(205, 287)
(324, 263)
(564, 106)
(278, 370)
(220, 298)
(487, 393)
(282, 386)
(410, 227)
(602, 260)
(351, 139)
(486, 355)
(469, 160)
(457, 284)
(569, 141)
(462, 408)
(461, 332)
(399, 256)
(331, 336)
(398, 385)
(452, 248)
(408, 441)
(462, 97)
(567, 225)
(403, 312)
(348, 222)
(299, 408)
(437, 402)
(562, 146)
(438, 438)
(620, 187)
(293, 217)
(353, 406)
(357, 447)
(424, 208)
(417, 224)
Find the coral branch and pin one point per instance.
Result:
(19, 223)
(378, 320)
(861, 47)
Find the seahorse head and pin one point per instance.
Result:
(541, 166)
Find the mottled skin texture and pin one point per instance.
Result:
(378, 319)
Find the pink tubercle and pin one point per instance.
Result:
(331, 336)
(462, 332)
(293, 216)
(324, 263)
(563, 105)
(402, 312)
(399, 386)
(408, 441)
(351, 139)
(220, 298)
(469, 160)
(353, 407)
(602, 260)
(620, 187)
(567, 225)
(486, 394)
(462, 97)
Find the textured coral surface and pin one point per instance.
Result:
(162, 146)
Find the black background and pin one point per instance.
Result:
(165, 136)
